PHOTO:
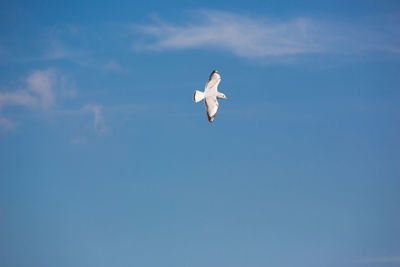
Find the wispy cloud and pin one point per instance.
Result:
(18, 98)
(112, 65)
(77, 140)
(98, 119)
(6, 124)
(55, 43)
(251, 37)
(41, 82)
(41, 89)
(57, 50)
(99, 125)
(79, 45)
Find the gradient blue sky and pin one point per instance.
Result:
(106, 161)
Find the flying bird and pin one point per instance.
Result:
(210, 95)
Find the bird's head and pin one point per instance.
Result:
(222, 96)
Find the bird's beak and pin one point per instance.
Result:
(226, 98)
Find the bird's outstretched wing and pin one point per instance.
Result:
(211, 107)
(213, 81)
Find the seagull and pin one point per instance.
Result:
(210, 95)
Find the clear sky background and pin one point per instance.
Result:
(106, 161)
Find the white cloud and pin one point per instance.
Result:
(251, 37)
(18, 98)
(42, 83)
(98, 120)
(41, 90)
(241, 35)
(6, 124)
(57, 50)
(66, 87)
(112, 65)
(77, 140)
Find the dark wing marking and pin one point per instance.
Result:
(211, 107)
(212, 73)
(213, 81)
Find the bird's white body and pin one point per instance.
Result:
(210, 95)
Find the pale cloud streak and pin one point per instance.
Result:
(98, 119)
(250, 37)
(99, 125)
(112, 65)
(41, 89)
(77, 140)
(42, 84)
(6, 124)
(18, 98)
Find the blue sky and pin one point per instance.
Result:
(106, 161)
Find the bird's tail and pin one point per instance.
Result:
(198, 96)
